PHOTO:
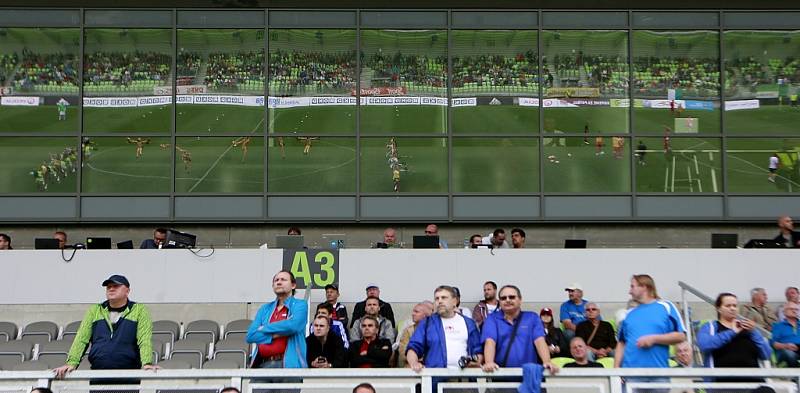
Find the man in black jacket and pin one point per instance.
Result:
(385, 308)
(324, 348)
(371, 351)
(788, 237)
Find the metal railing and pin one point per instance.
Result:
(328, 380)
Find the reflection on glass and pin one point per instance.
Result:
(403, 165)
(311, 164)
(762, 81)
(404, 81)
(221, 89)
(495, 81)
(585, 76)
(748, 163)
(127, 80)
(312, 81)
(594, 164)
(676, 81)
(677, 165)
(38, 165)
(495, 165)
(126, 165)
(39, 79)
(221, 165)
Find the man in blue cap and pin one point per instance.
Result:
(119, 330)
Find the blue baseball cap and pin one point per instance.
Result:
(117, 279)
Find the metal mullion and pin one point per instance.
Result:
(265, 130)
(81, 48)
(449, 117)
(723, 147)
(173, 120)
(633, 167)
(540, 56)
(358, 116)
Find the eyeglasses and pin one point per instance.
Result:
(429, 232)
(509, 297)
(592, 309)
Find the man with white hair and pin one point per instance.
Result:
(758, 310)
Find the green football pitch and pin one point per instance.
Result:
(481, 162)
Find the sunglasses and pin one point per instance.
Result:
(509, 297)
(592, 309)
(429, 232)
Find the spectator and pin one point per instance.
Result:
(444, 338)
(325, 349)
(758, 310)
(497, 239)
(683, 355)
(787, 236)
(486, 306)
(337, 328)
(369, 351)
(339, 310)
(731, 342)
(5, 242)
(126, 345)
(649, 329)
(364, 388)
(598, 335)
(279, 327)
(573, 311)
(389, 239)
(463, 311)
(475, 241)
(786, 336)
(418, 313)
(230, 389)
(294, 231)
(528, 344)
(433, 230)
(517, 238)
(554, 337)
(386, 308)
(61, 236)
(385, 328)
(580, 352)
(792, 296)
(158, 241)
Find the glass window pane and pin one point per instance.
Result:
(495, 82)
(220, 90)
(762, 82)
(38, 165)
(403, 165)
(127, 80)
(208, 164)
(748, 163)
(312, 81)
(678, 165)
(39, 80)
(582, 165)
(126, 165)
(676, 81)
(404, 81)
(503, 165)
(311, 164)
(586, 81)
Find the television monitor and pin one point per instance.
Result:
(177, 239)
(289, 242)
(45, 243)
(126, 245)
(575, 243)
(724, 240)
(98, 243)
(425, 241)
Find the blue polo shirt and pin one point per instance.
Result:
(784, 333)
(573, 312)
(523, 351)
(658, 317)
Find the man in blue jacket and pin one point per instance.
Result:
(442, 339)
(279, 327)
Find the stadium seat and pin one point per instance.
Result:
(606, 362)
(70, 330)
(158, 349)
(8, 331)
(14, 352)
(31, 366)
(232, 349)
(237, 328)
(561, 362)
(193, 351)
(220, 364)
(40, 332)
(84, 364)
(54, 353)
(206, 329)
(166, 331)
(175, 364)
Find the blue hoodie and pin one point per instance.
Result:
(261, 331)
(428, 341)
(710, 339)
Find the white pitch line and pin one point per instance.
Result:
(666, 178)
(696, 167)
(672, 187)
(714, 179)
(689, 172)
(214, 165)
(710, 156)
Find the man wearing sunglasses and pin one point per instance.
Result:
(514, 337)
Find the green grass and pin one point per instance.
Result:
(20, 156)
(38, 118)
(114, 167)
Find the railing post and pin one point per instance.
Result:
(615, 384)
(687, 318)
(427, 384)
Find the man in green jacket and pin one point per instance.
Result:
(119, 330)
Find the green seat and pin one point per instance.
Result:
(561, 361)
(606, 362)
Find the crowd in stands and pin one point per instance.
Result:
(421, 70)
(496, 70)
(34, 69)
(122, 68)
(297, 70)
(230, 70)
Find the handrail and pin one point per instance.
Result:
(694, 291)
